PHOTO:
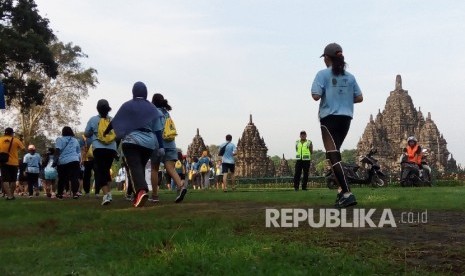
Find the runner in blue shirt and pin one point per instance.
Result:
(337, 90)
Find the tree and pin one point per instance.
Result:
(213, 150)
(62, 96)
(349, 156)
(24, 40)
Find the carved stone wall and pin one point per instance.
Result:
(389, 131)
(197, 146)
(252, 159)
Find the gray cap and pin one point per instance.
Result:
(332, 50)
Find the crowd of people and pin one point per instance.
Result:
(136, 136)
(142, 130)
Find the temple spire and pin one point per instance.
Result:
(398, 82)
(198, 133)
(250, 119)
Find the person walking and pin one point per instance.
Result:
(138, 124)
(32, 163)
(104, 151)
(9, 147)
(50, 173)
(337, 90)
(304, 151)
(67, 159)
(87, 160)
(170, 155)
(204, 169)
(228, 150)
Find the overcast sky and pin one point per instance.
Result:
(219, 61)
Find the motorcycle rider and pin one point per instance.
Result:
(413, 151)
(414, 154)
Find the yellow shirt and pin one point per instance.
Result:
(17, 145)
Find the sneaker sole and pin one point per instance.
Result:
(141, 201)
(181, 196)
(345, 206)
(106, 202)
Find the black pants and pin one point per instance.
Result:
(301, 166)
(88, 168)
(67, 173)
(103, 158)
(334, 129)
(32, 182)
(136, 158)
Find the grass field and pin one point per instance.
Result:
(213, 233)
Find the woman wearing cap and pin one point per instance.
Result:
(337, 91)
(32, 162)
(103, 153)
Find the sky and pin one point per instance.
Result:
(217, 62)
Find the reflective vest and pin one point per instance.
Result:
(303, 150)
(413, 155)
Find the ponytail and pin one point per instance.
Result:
(338, 65)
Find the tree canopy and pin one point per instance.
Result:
(24, 46)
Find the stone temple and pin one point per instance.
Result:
(388, 133)
(252, 158)
(283, 168)
(197, 146)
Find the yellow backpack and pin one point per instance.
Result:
(102, 126)
(169, 131)
(204, 168)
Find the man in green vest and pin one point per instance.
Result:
(304, 150)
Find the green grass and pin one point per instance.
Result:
(211, 233)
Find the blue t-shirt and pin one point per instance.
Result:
(69, 149)
(166, 145)
(337, 93)
(204, 160)
(91, 132)
(229, 151)
(33, 162)
(145, 139)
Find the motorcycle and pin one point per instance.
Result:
(370, 173)
(412, 174)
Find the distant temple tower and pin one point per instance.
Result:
(252, 159)
(197, 146)
(283, 169)
(389, 131)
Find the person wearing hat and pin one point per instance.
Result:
(304, 151)
(337, 90)
(9, 145)
(32, 162)
(103, 153)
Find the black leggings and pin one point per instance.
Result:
(88, 168)
(103, 158)
(67, 173)
(32, 182)
(136, 158)
(334, 129)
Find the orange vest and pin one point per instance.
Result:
(413, 156)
